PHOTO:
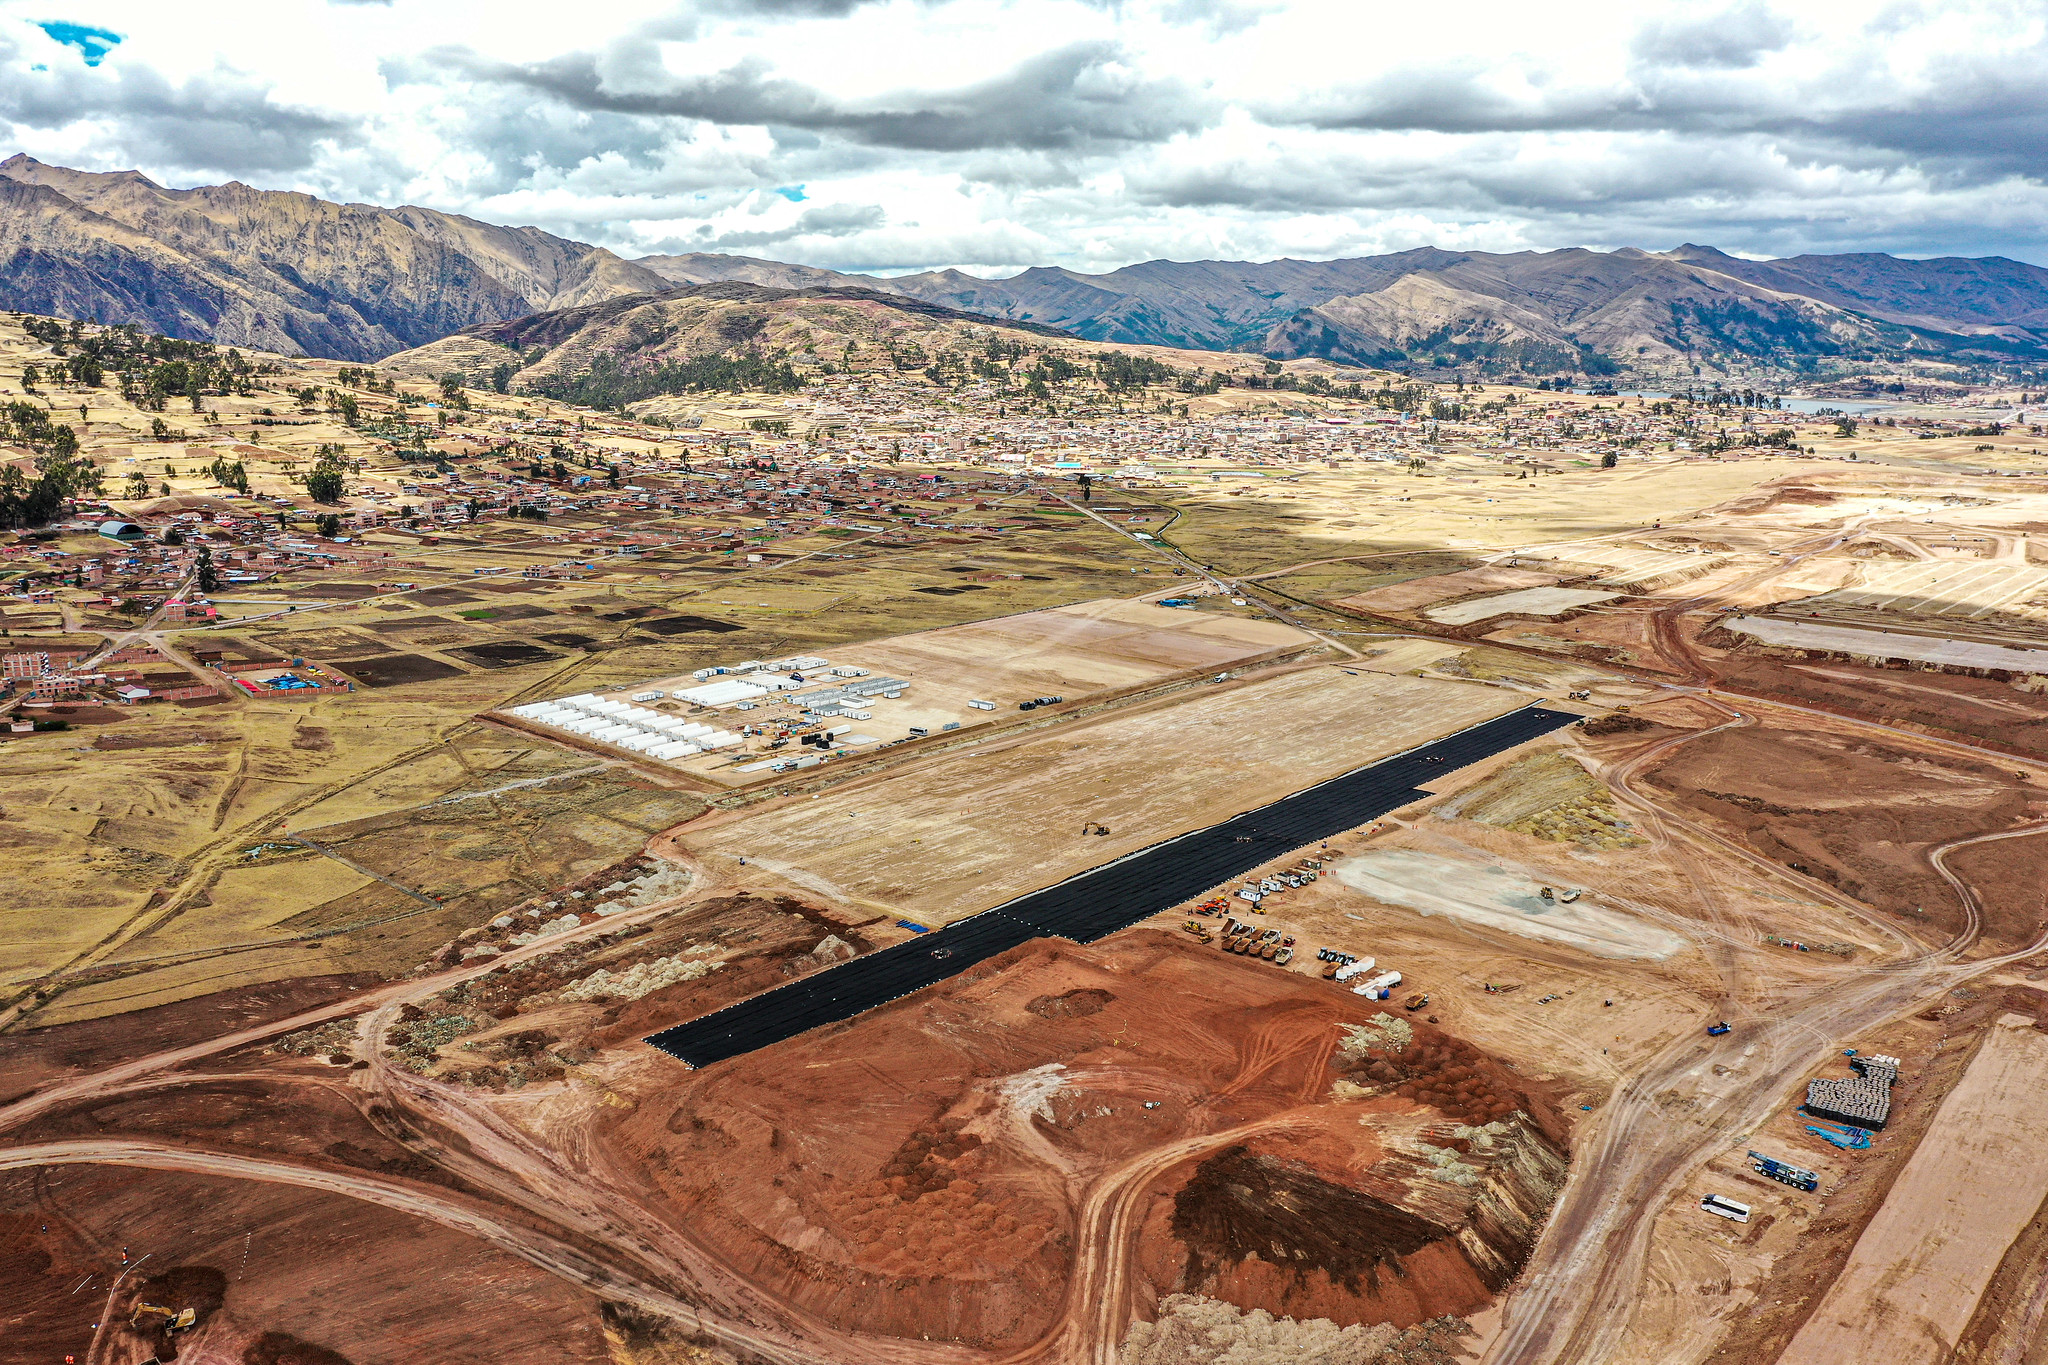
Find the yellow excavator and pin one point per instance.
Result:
(179, 1320)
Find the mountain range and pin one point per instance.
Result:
(289, 272)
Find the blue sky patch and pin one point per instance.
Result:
(92, 43)
(793, 193)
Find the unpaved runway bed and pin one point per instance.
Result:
(972, 830)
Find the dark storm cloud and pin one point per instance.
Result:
(1076, 96)
(214, 122)
(1966, 121)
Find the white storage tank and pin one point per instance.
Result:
(1351, 969)
(1385, 981)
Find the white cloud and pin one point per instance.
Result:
(994, 134)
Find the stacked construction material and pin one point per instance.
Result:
(1864, 1100)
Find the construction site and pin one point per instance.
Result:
(1304, 906)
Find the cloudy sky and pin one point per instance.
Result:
(895, 135)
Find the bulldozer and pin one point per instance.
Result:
(178, 1320)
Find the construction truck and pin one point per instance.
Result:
(1798, 1177)
(178, 1320)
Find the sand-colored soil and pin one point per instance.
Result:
(1420, 592)
(1526, 602)
(1971, 1187)
(1502, 897)
(962, 833)
(1878, 644)
(1942, 587)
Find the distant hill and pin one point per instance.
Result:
(279, 271)
(1540, 311)
(352, 281)
(704, 336)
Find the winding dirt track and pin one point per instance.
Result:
(1575, 1301)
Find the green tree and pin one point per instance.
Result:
(324, 484)
(205, 577)
(328, 524)
(173, 536)
(501, 377)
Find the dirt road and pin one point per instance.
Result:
(1575, 1303)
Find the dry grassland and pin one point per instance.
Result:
(1475, 507)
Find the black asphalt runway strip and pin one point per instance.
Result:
(1102, 900)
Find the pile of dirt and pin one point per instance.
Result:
(624, 984)
(1192, 1330)
(1615, 723)
(1431, 1067)
(1240, 1205)
(923, 1217)
(1074, 1004)
(282, 1348)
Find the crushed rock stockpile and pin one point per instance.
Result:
(1192, 1330)
(643, 978)
(1547, 796)
(1496, 897)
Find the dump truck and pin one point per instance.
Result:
(1415, 1001)
(177, 1320)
